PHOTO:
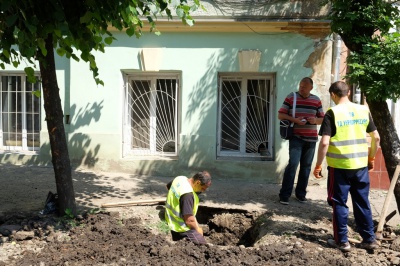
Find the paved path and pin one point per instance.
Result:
(25, 189)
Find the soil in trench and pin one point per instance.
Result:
(236, 237)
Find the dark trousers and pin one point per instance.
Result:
(191, 235)
(302, 152)
(340, 183)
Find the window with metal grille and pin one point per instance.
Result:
(19, 114)
(245, 115)
(151, 115)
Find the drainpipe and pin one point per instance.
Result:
(337, 46)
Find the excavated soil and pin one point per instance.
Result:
(137, 236)
(243, 223)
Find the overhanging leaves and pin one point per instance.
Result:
(375, 51)
(79, 24)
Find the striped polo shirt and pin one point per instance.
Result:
(305, 107)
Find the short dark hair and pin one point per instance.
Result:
(204, 177)
(339, 88)
(308, 79)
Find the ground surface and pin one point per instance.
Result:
(243, 222)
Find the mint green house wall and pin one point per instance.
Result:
(94, 114)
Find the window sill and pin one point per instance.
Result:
(245, 159)
(150, 158)
(19, 152)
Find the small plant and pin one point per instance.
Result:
(287, 234)
(120, 220)
(95, 210)
(160, 226)
(69, 218)
(69, 214)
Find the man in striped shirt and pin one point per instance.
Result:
(308, 114)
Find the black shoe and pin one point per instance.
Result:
(301, 199)
(345, 247)
(370, 245)
(284, 201)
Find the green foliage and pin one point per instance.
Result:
(77, 27)
(69, 214)
(95, 211)
(365, 28)
(69, 219)
(160, 227)
(377, 67)
(351, 16)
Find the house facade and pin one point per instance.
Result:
(193, 98)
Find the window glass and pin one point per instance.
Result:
(152, 115)
(20, 114)
(245, 116)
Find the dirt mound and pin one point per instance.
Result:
(117, 238)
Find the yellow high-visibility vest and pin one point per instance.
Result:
(348, 149)
(173, 215)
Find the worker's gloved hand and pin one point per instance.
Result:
(317, 171)
(371, 163)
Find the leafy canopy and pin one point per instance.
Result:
(377, 67)
(77, 26)
(366, 28)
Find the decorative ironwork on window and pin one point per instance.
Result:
(152, 115)
(245, 117)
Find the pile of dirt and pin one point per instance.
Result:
(139, 237)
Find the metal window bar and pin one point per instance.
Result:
(244, 116)
(230, 115)
(256, 132)
(20, 114)
(140, 114)
(33, 116)
(152, 104)
(165, 115)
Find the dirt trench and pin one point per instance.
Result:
(231, 227)
(236, 237)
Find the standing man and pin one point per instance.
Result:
(309, 114)
(345, 146)
(182, 204)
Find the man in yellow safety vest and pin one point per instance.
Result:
(182, 204)
(345, 146)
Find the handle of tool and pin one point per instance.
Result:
(127, 203)
(388, 198)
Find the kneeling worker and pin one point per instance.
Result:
(182, 204)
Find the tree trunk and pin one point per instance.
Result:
(55, 127)
(390, 144)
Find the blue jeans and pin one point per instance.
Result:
(302, 152)
(341, 182)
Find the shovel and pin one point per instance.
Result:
(382, 219)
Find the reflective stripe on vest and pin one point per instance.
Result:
(348, 149)
(173, 215)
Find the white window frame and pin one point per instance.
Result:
(24, 141)
(151, 152)
(242, 77)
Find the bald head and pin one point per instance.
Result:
(307, 79)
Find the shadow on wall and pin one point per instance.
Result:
(81, 150)
(198, 139)
(197, 145)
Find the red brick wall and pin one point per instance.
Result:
(379, 177)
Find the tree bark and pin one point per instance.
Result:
(55, 127)
(390, 144)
